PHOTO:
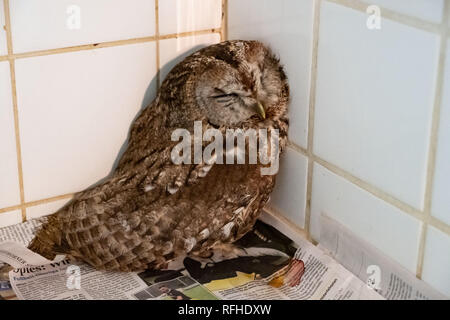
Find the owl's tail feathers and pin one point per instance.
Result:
(47, 241)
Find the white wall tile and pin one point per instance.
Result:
(45, 209)
(289, 196)
(384, 226)
(3, 46)
(75, 116)
(176, 16)
(374, 100)
(9, 218)
(287, 27)
(9, 180)
(436, 266)
(174, 50)
(441, 189)
(423, 9)
(38, 25)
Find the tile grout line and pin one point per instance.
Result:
(12, 71)
(376, 192)
(158, 71)
(37, 202)
(297, 148)
(189, 33)
(107, 44)
(433, 140)
(392, 15)
(224, 25)
(439, 225)
(382, 195)
(311, 112)
(17, 136)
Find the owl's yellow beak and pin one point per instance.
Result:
(260, 110)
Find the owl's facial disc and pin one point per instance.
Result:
(231, 95)
(229, 104)
(225, 102)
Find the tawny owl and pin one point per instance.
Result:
(151, 210)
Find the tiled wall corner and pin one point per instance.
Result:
(177, 16)
(289, 196)
(174, 50)
(68, 23)
(9, 180)
(286, 26)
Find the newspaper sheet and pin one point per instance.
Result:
(71, 280)
(264, 264)
(370, 265)
(22, 233)
(323, 279)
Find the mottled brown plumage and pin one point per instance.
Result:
(150, 210)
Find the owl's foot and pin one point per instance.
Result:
(4, 271)
(220, 252)
(227, 251)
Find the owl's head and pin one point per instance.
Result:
(230, 84)
(241, 82)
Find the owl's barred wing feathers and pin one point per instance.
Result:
(146, 215)
(125, 232)
(131, 214)
(151, 209)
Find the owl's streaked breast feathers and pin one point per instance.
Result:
(150, 209)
